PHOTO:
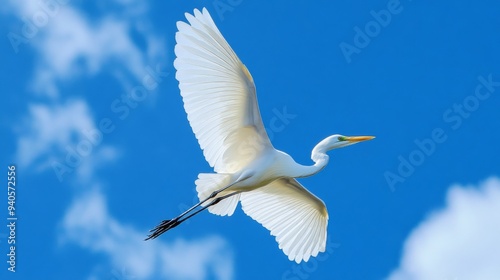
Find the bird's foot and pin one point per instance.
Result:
(163, 227)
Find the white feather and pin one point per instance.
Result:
(295, 216)
(218, 94)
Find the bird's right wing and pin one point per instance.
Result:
(295, 216)
(218, 94)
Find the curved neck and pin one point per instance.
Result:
(320, 159)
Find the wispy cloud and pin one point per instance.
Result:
(89, 224)
(459, 242)
(70, 45)
(48, 129)
(62, 137)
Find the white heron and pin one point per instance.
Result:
(220, 101)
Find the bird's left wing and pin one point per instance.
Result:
(295, 216)
(218, 94)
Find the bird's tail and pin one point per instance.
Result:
(207, 183)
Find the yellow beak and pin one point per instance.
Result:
(359, 138)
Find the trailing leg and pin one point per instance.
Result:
(170, 224)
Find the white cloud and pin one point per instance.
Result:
(51, 129)
(54, 130)
(52, 133)
(191, 260)
(70, 45)
(89, 224)
(459, 242)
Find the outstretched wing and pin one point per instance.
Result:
(218, 94)
(295, 216)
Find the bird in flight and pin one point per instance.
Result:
(221, 105)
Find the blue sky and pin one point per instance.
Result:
(418, 202)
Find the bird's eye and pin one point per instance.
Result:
(342, 138)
